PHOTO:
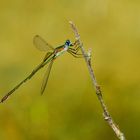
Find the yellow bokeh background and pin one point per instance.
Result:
(69, 109)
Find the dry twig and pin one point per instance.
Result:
(106, 114)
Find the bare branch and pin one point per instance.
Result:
(106, 114)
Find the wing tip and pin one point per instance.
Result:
(42, 91)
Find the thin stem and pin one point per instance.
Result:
(106, 114)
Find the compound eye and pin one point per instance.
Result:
(68, 42)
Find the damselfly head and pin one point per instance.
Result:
(68, 43)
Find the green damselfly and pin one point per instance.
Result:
(51, 55)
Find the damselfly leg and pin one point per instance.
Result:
(74, 50)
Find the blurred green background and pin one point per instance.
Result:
(69, 109)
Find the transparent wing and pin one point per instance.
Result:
(46, 77)
(41, 44)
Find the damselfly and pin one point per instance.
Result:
(51, 55)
